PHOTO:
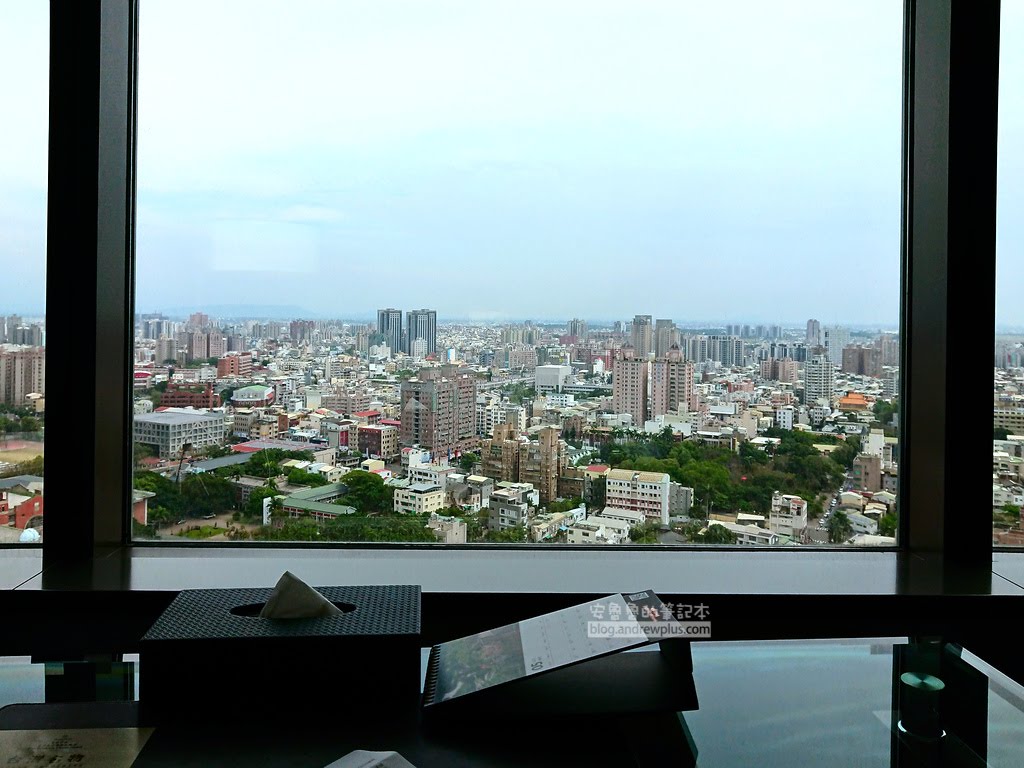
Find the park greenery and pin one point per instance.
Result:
(30, 467)
(344, 528)
(367, 493)
(194, 496)
(743, 481)
(265, 463)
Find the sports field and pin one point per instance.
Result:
(18, 451)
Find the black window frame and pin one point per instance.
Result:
(950, 101)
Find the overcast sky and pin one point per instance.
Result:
(713, 162)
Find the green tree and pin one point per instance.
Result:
(645, 533)
(999, 433)
(717, 534)
(564, 505)
(367, 493)
(29, 424)
(254, 506)
(887, 525)
(839, 528)
(141, 451)
(515, 535)
(301, 477)
(467, 461)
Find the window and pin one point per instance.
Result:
(515, 171)
(1008, 412)
(23, 63)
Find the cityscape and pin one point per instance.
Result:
(639, 431)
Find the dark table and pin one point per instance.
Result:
(833, 703)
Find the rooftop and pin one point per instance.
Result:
(177, 416)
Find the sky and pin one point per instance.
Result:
(502, 160)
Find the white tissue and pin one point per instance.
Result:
(293, 598)
(361, 758)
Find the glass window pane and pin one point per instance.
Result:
(1008, 410)
(24, 68)
(447, 271)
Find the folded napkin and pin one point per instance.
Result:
(360, 758)
(293, 598)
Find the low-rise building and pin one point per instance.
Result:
(750, 535)
(448, 530)
(648, 492)
(419, 499)
(788, 515)
(862, 524)
(508, 508)
(379, 441)
(598, 529)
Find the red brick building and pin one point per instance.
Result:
(183, 396)
(234, 365)
(28, 511)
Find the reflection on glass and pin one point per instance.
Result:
(518, 273)
(24, 67)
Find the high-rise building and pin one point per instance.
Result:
(421, 324)
(672, 384)
(166, 349)
(216, 345)
(438, 410)
(818, 378)
(629, 385)
(389, 324)
(835, 339)
(198, 321)
(696, 348)
(198, 348)
(665, 335)
(10, 324)
(643, 336)
(863, 361)
(889, 346)
(578, 328)
(813, 333)
(22, 372)
(508, 456)
(727, 350)
(542, 462)
(781, 369)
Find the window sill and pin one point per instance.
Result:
(111, 601)
(532, 569)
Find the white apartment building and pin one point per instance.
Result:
(419, 499)
(647, 492)
(550, 378)
(431, 473)
(788, 515)
(819, 377)
(170, 429)
(1007, 494)
(632, 517)
(598, 529)
(750, 535)
(862, 524)
(784, 417)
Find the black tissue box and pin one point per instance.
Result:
(209, 654)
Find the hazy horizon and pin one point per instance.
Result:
(505, 161)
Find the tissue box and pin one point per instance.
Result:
(209, 654)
